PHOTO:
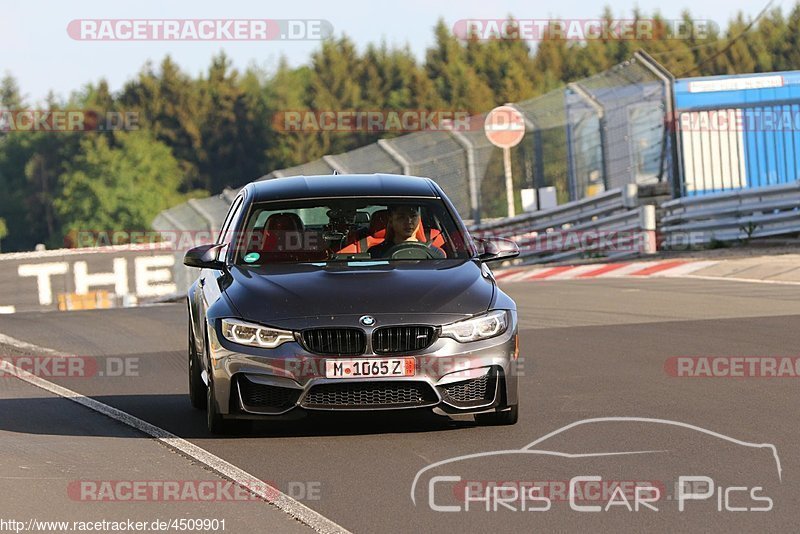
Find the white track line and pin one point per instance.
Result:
(257, 487)
(7, 309)
(748, 280)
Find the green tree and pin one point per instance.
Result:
(233, 148)
(119, 186)
(285, 91)
(739, 56)
(791, 38)
(10, 96)
(177, 121)
(768, 42)
(41, 171)
(3, 230)
(550, 64)
(13, 155)
(458, 84)
(334, 86)
(168, 104)
(504, 66)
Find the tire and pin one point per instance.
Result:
(197, 388)
(509, 417)
(216, 424)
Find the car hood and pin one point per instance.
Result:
(277, 292)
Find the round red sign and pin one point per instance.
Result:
(504, 126)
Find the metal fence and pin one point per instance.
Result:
(196, 215)
(591, 136)
(610, 225)
(616, 130)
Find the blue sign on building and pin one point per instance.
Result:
(738, 131)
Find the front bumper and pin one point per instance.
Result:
(451, 378)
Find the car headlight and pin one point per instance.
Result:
(482, 327)
(254, 335)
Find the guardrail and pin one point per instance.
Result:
(611, 225)
(731, 216)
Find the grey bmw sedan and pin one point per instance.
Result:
(349, 292)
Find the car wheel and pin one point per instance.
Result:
(216, 424)
(197, 388)
(508, 417)
(214, 420)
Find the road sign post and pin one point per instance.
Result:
(509, 181)
(505, 128)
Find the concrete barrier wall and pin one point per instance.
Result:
(32, 281)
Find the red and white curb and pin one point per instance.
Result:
(638, 269)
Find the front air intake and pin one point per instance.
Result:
(400, 339)
(334, 341)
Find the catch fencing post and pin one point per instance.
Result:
(472, 175)
(334, 164)
(671, 122)
(601, 115)
(395, 155)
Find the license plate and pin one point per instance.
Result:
(369, 368)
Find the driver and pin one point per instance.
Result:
(401, 227)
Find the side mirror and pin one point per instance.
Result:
(497, 249)
(204, 257)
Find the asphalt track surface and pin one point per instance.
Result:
(592, 349)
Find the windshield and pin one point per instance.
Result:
(352, 230)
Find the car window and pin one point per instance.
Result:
(233, 211)
(351, 230)
(229, 226)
